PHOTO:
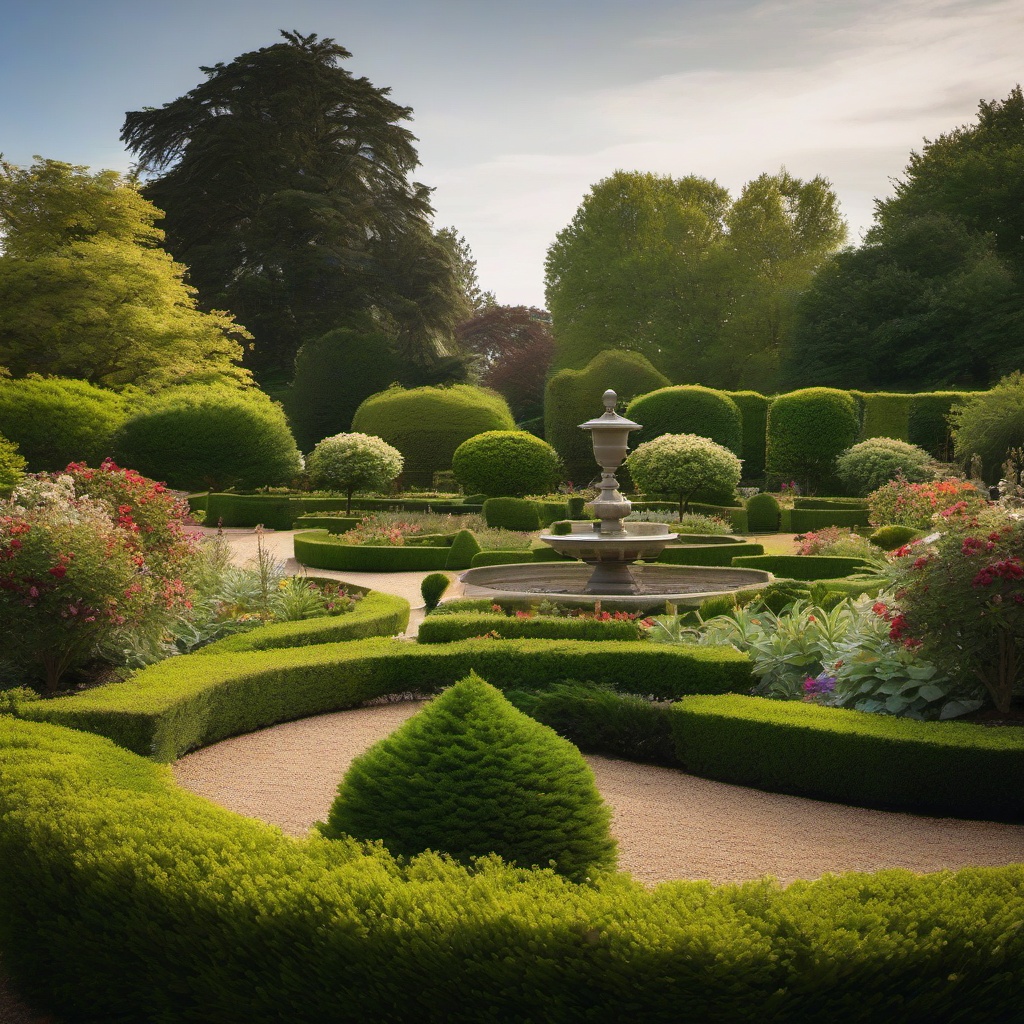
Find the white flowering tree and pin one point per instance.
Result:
(685, 466)
(354, 462)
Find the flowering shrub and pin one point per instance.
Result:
(354, 462)
(900, 503)
(836, 540)
(687, 467)
(873, 463)
(961, 599)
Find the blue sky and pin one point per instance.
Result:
(520, 108)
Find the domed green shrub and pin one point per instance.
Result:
(353, 462)
(470, 775)
(687, 468)
(688, 409)
(989, 424)
(867, 466)
(54, 420)
(12, 466)
(763, 513)
(428, 424)
(210, 436)
(506, 463)
(574, 396)
(518, 514)
(889, 538)
(464, 547)
(432, 589)
(807, 430)
(753, 408)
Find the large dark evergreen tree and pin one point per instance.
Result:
(285, 180)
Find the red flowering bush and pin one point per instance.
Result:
(900, 503)
(962, 600)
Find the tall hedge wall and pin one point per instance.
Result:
(884, 414)
(688, 409)
(754, 412)
(927, 423)
(427, 424)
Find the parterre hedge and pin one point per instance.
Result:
(735, 514)
(316, 549)
(332, 524)
(802, 567)
(444, 629)
(708, 554)
(125, 895)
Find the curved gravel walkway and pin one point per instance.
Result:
(669, 825)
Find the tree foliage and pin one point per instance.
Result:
(354, 462)
(505, 463)
(990, 424)
(85, 291)
(686, 467)
(285, 180)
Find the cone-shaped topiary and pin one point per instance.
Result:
(471, 775)
(432, 588)
(464, 547)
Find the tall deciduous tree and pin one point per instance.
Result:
(85, 291)
(285, 180)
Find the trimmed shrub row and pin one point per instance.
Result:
(805, 520)
(708, 554)
(332, 524)
(836, 504)
(315, 549)
(802, 567)
(735, 514)
(444, 629)
(126, 895)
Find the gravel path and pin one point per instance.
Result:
(669, 825)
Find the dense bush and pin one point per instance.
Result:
(889, 538)
(463, 548)
(921, 505)
(688, 409)
(928, 422)
(988, 424)
(512, 514)
(686, 467)
(428, 424)
(763, 513)
(55, 420)
(807, 430)
(802, 567)
(12, 466)
(210, 436)
(868, 465)
(471, 775)
(574, 396)
(354, 462)
(884, 414)
(753, 408)
(432, 589)
(505, 463)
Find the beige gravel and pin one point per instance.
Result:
(669, 825)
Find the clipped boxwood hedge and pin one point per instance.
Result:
(753, 408)
(332, 524)
(802, 567)
(884, 414)
(853, 757)
(849, 504)
(186, 702)
(315, 548)
(708, 554)
(500, 558)
(124, 894)
(805, 520)
(688, 409)
(444, 629)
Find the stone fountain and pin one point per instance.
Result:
(610, 548)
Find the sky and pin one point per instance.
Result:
(520, 108)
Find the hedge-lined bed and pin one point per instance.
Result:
(802, 567)
(193, 700)
(332, 524)
(316, 549)
(444, 629)
(708, 554)
(127, 896)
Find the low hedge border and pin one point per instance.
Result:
(124, 894)
(193, 700)
(853, 757)
(802, 567)
(376, 614)
(708, 554)
(444, 629)
(332, 524)
(804, 520)
(315, 549)
(737, 515)
(830, 503)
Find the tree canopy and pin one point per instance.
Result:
(285, 180)
(85, 291)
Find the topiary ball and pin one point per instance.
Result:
(470, 775)
(689, 409)
(506, 463)
(432, 589)
(873, 463)
(763, 513)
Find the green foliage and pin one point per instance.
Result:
(213, 436)
(574, 396)
(763, 515)
(831, 504)
(86, 292)
(354, 462)
(428, 424)
(753, 408)
(470, 775)
(56, 421)
(432, 589)
(807, 430)
(928, 422)
(505, 463)
(321, 550)
(462, 550)
(872, 463)
(688, 409)
(444, 629)
(836, 540)
(512, 514)
(500, 558)
(990, 424)
(12, 466)
(708, 554)
(921, 506)
(884, 414)
(685, 466)
(889, 538)
(802, 567)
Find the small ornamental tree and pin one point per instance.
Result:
(354, 462)
(869, 465)
(687, 467)
(505, 464)
(470, 775)
(961, 600)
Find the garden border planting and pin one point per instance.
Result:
(444, 629)
(315, 549)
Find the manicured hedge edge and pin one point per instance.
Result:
(187, 702)
(332, 524)
(853, 757)
(443, 629)
(830, 503)
(376, 614)
(802, 567)
(708, 554)
(804, 520)
(501, 558)
(125, 895)
(314, 548)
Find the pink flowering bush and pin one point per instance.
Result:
(835, 540)
(918, 506)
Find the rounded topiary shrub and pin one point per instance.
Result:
(354, 462)
(432, 589)
(506, 463)
(12, 466)
(868, 465)
(470, 775)
(686, 468)
(889, 538)
(688, 409)
(763, 513)
(807, 431)
(210, 436)
(428, 424)
(54, 420)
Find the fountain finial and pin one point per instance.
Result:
(610, 398)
